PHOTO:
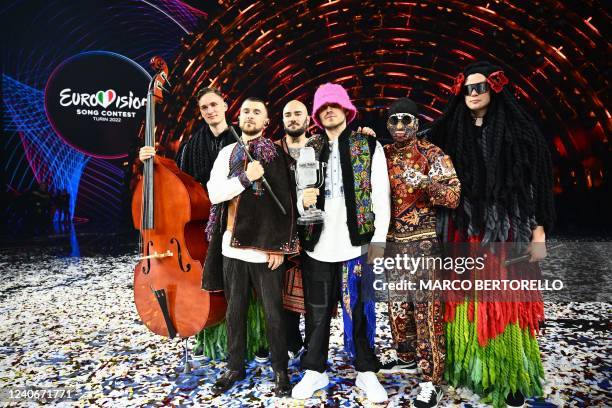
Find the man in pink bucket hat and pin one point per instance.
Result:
(355, 197)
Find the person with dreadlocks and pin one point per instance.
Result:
(195, 156)
(504, 166)
(422, 178)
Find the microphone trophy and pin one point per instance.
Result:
(309, 174)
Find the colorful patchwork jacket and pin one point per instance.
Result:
(356, 151)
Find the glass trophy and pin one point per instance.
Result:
(309, 174)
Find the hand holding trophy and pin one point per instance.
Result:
(309, 174)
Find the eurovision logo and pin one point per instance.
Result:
(100, 98)
(106, 98)
(95, 102)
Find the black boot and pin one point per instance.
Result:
(515, 400)
(282, 386)
(227, 380)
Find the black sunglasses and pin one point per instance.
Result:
(406, 118)
(481, 87)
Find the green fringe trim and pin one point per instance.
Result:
(214, 339)
(509, 362)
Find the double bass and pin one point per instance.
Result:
(170, 209)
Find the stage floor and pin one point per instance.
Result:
(70, 322)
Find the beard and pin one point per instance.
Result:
(251, 131)
(294, 134)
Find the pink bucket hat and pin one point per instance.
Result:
(332, 93)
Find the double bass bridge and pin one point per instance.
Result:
(157, 255)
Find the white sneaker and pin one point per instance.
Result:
(262, 356)
(368, 382)
(310, 382)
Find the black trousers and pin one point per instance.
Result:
(238, 278)
(322, 288)
(292, 325)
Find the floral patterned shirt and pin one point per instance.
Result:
(413, 216)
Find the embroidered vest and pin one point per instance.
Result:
(258, 223)
(356, 151)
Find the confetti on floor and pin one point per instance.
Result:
(71, 323)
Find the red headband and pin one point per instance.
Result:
(496, 81)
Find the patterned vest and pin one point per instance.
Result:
(356, 151)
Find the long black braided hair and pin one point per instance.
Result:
(193, 158)
(512, 170)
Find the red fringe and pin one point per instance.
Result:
(493, 316)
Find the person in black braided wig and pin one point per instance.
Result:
(504, 166)
(501, 158)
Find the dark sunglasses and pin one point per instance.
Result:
(481, 87)
(406, 118)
